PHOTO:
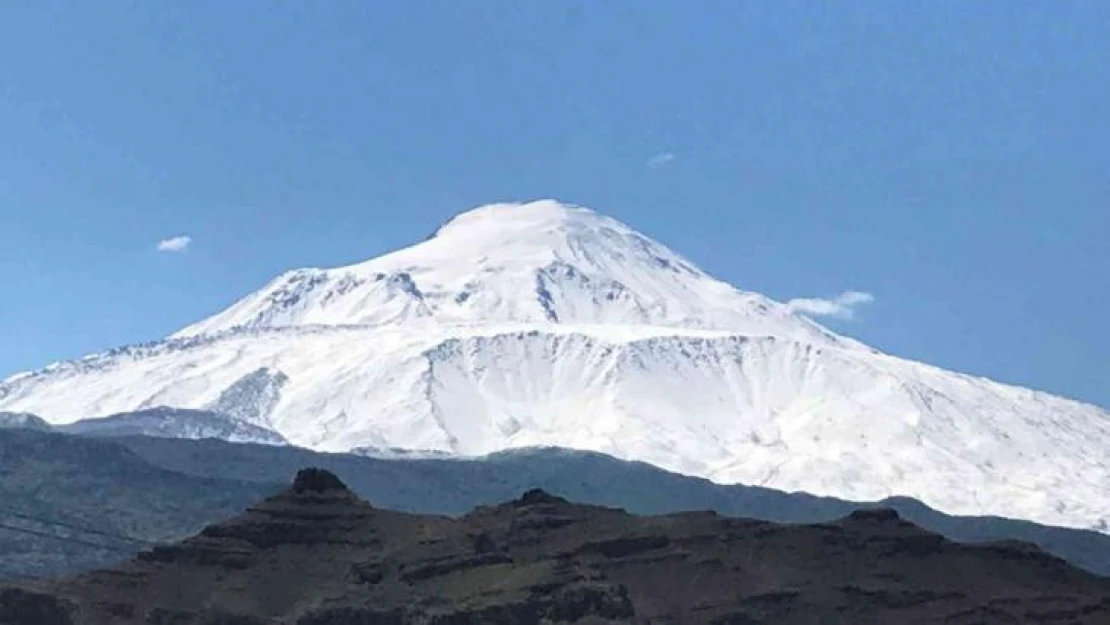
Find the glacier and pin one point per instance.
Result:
(543, 324)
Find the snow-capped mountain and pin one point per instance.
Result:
(546, 325)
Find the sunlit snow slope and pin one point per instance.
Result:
(542, 324)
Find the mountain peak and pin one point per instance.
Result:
(537, 216)
(534, 263)
(521, 235)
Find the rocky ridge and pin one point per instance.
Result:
(316, 554)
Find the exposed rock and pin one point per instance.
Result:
(315, 554)
(538, 496)
(316, 480)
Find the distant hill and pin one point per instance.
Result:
(157, 489)
(317, 554)
(22, 420)
(454, 487)
(99, 485)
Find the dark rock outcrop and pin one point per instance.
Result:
(315, 554)
(317, 480)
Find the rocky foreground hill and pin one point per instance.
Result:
(316, 554)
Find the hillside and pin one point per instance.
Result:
(103, 487)
(162, 489)
(316, 554)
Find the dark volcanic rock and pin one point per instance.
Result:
(540, 496)
(316, 480)
(316, 554)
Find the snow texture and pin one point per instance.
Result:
(168, 422)
(542, 324)
(22, 420)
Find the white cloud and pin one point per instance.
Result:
(842, 306)
(660, 159)
(175, 244)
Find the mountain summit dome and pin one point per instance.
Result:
(540, 262)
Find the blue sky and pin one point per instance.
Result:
(949, 158)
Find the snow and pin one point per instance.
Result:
(161, 421)
(537, 263)
(22, 420)
(541, 324)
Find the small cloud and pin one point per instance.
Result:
(660, 159)
(842, 306)
(175, 244)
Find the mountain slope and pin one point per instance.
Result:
(22, 420)
(540, 324)
(317, 554)
(98, 485)
(174, 423)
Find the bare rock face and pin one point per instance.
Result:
(315, 554)
(316, 480)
